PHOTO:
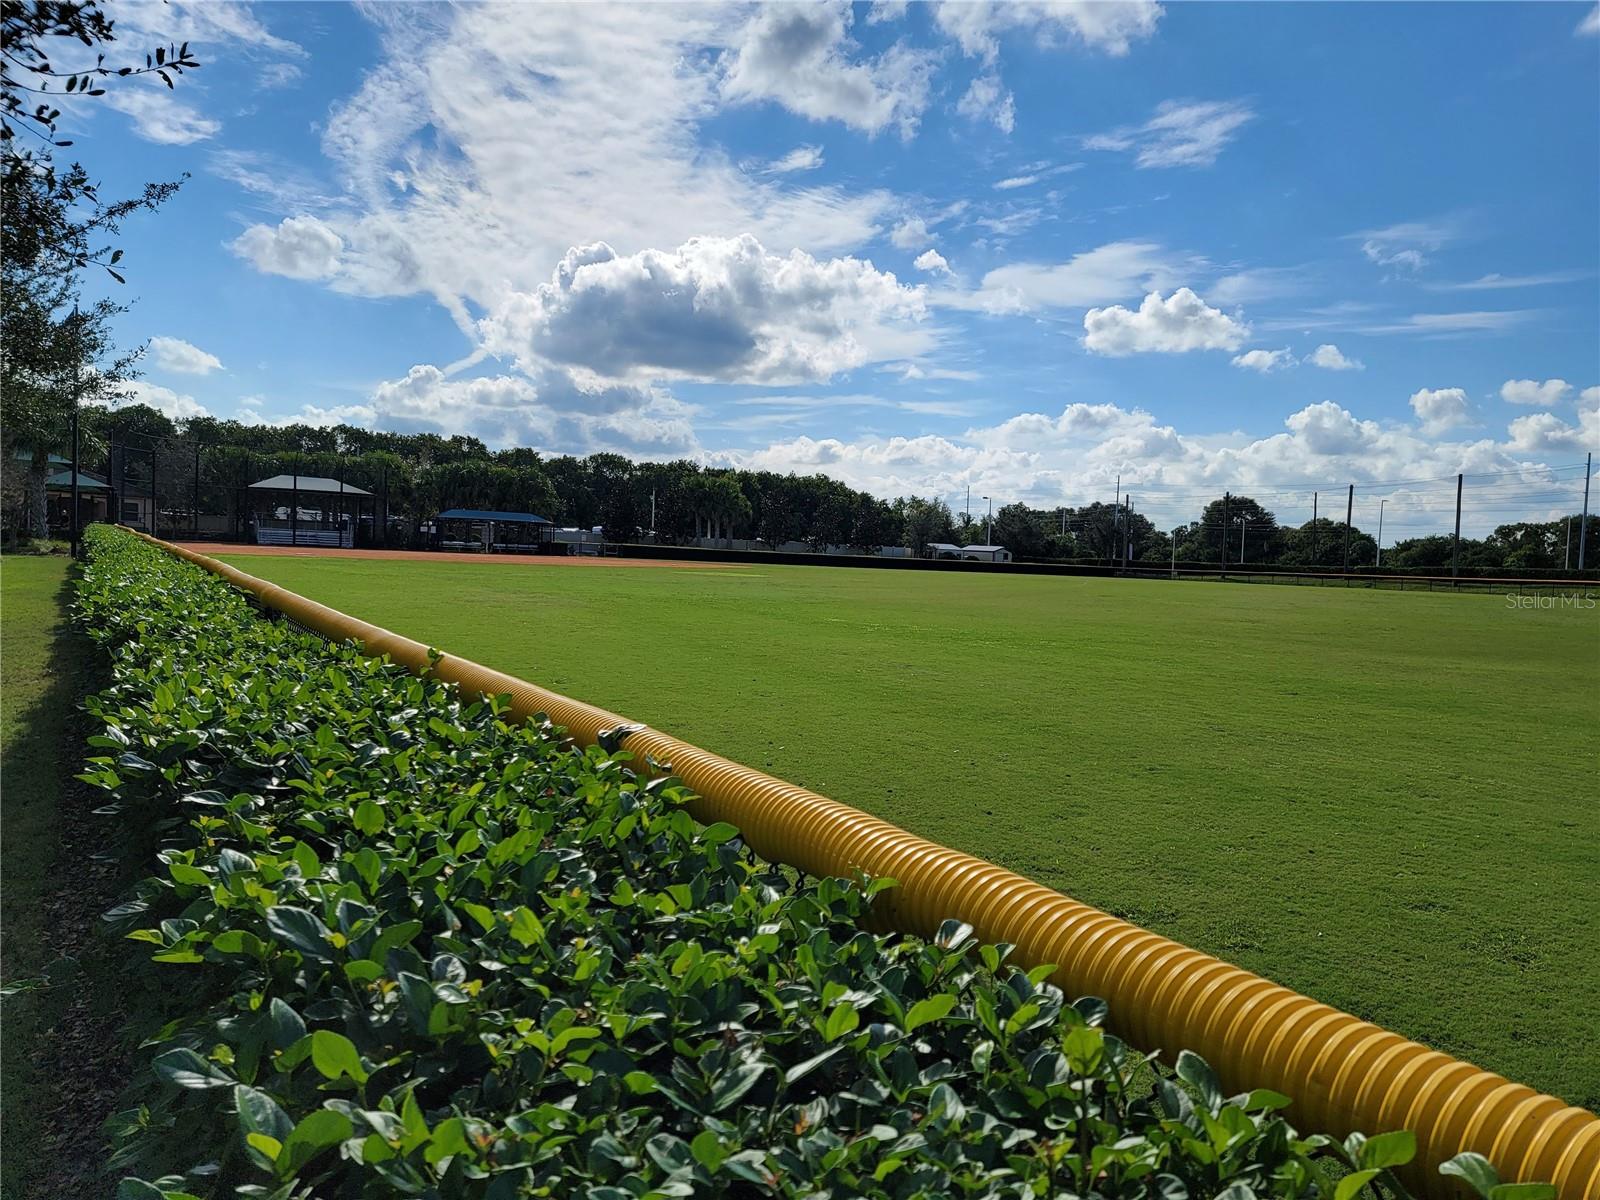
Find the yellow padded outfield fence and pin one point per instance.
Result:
(1344, 1073)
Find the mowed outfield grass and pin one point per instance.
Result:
(1385, 800)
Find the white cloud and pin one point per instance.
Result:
(801, 158)
(551, 412)
(1330, 358)
(1016, 181)
(800, 55)
(203, 22)
(884, 11)
(1590, 25)
(1264, 361)
(1440, 409)
(175, 354)
(1328, 429)
(720, 309)
(1258, 283)
(1180, 323)
(933, 261)
(1531, 391)
(1452, 324)
(1097, 276)
(1183, 133)
(977, 25)
(435, 199)
(1076, 456)
(1496, 282)
(157, 117)
(986, 99)
(300, 247)
(1403, 245)
(176, 406)
(279, 75)
(1546, 433)
(911, 234)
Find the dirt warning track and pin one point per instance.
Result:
(243, 549)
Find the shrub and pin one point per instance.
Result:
(421, 949)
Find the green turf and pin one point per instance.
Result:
(35, 715)
(1384, 800)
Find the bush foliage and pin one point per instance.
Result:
(419, 949)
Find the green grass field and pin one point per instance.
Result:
(1384, 800)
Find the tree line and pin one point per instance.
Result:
(415, 476)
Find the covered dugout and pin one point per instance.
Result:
(490, 531)
(307, 510)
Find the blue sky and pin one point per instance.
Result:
(1025, 248)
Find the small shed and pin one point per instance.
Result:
(942, 550)
(94, 498)
(986, 553)
(490, 531)
(307, 510)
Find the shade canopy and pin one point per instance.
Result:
(481, 514)
(86, 483)
(308, 483)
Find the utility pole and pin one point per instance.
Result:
(966, 512)
(1455, 546)
(1583, 525)
(1566, 555)
(294, 505)
(652, 513)
(1127, 530)
(1241, 541)
(1349, 511)
(195, 515)
(1175, 550)
(1222, 537)
(988, 523)
(1315, 547)
(1116, 520)
(77, 382)
(1381, 503)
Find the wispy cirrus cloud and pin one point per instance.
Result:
(1182, 133)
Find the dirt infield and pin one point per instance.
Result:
(245, 549)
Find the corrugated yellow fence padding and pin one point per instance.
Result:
(1345, 1074)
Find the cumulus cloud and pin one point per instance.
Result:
(802, 57)
(1330, 358)
(175, 354)
(722, 309)
(1531, 391)
(1546, 433)
(1439, 410)
(1180, 323)
(1183, 133)
(299, 247)
(1077, 454)
(1590, 25)
(1264, 361)
(932, 261)
(174, 405)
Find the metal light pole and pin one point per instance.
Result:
(988, 522)
(1175, 550)
(1583, 525)
(1381, 503)
(1241, 539)
(1566, 555)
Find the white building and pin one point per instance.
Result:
(986, 553)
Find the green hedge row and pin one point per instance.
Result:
(420, 950)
